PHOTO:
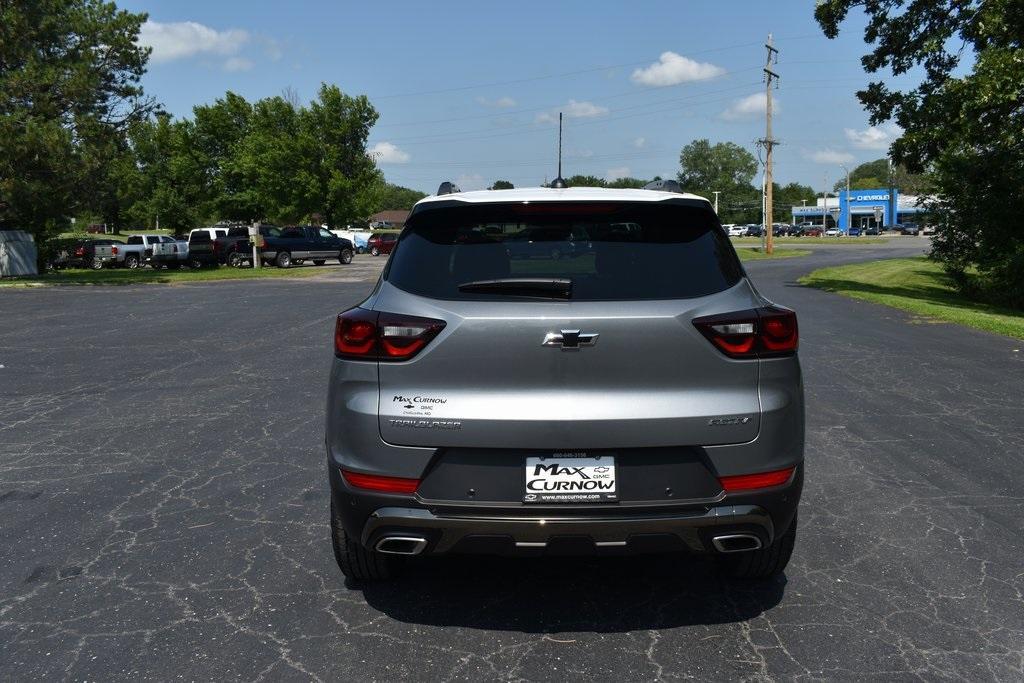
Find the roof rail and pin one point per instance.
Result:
(448, 187)
(664, 186)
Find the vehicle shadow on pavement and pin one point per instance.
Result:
(552, 595)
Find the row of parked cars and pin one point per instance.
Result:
(210, 247)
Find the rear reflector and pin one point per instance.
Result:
(762, 480)
(755, 333)
(370, 335)
(373, 482)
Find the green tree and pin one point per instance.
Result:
(501, 185)
(398, 198)
(346, 184)
(727, 168)
(585, 181)
(873, 175)
(786, 197)
(628, 183)
(962, 123)
(69, 88)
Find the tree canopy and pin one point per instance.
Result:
(727, 168)
(962, 121)
(69, 89)
(501, 185)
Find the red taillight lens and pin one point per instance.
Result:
(373, 482)
(80, 251)
(369, 335)
(113, 250)
(756, 333)
(762, 480)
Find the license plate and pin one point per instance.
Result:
(570, 478)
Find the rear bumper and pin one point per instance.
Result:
(522, 529)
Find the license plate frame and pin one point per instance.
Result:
(574, 477)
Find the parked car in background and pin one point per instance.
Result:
(358, 238)
(753, 230)
(169, 252)
(812, 231)
(733, 230)
(853, 232)
(200, 249)
(296, 244)
(872, 230)
(928, 230)
(909, 229)
(136, 251)
(381, 243)
(214, 233)
(79, 254)
(833, 232)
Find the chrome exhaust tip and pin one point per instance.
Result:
(736, 543)
(401, 545)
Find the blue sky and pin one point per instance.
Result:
(470, 91)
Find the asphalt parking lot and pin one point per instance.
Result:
(164, 510)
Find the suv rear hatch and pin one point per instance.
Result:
(581, 346)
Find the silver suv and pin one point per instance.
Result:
(629, 393)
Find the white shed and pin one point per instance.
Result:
(17, 253)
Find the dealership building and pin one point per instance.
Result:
(862, 209)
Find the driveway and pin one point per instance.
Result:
(164, 511)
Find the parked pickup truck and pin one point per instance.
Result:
(297, 244)
(134, 253)
(169, 252)
(235, 248)
(200, 250)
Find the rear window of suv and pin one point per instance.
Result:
(609, 250)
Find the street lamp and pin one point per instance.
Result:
(848, 216)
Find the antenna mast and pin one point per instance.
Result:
(559, 182)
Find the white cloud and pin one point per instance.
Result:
(388, 153)
(501, 103)
(672, 69)
(574, 110)
(471, 181)
(238, 64)
(829, 156)
(179, 40)
(639, 142)
(616, 173)
(873, 137)
(748, 107)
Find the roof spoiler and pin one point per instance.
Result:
(664, 186)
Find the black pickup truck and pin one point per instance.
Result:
(305, 242)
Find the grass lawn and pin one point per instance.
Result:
(123, 276)
(831, 241)
(919, 286)
(755, 253)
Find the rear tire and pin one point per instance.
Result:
(195, 264)
(375, 252)
(283, 260)
(235, 259)
(345, 257)
(356, 562)
(96, 264)
(131, 262)
(764, 563)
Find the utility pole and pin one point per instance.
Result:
(716, 193)
(824, 207)
(848, 213)
(769, 142)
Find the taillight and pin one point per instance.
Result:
(80, 251)
(374, 482)
(370, 335)
(755, 333)
(761, 480)
(113, 251)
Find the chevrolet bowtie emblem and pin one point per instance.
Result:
(570, 339)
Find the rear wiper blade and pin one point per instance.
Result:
(555, 288)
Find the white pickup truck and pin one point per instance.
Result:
(134, 253)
